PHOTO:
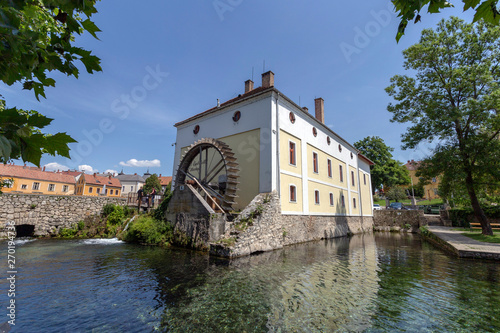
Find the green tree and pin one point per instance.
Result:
(152, 182)
(453, 97)
(396, 193)
(386, 170)
(37, 37)
(409, 10)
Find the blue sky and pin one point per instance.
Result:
(164, 61)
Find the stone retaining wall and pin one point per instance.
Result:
(49, 212)
(261, 227)
(398, 220)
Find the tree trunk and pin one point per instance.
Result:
(478, 211)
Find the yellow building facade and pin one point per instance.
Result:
(33, 180)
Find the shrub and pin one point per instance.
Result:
(81, 225)
(116, 216)
(67, 232)
(147, 230)
(108, 209)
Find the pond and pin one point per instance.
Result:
(372, 283)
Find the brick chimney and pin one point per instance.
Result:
(319, 104)
(44, 168)
(248, 86)
(94, 174)
(109, 177)
(268, 79)
(305, 109)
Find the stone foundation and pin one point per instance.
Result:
(261, 227)
(48, 213)
(398, 220)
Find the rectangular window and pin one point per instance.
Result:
(364, 178)
(123, 189)
(316, 197)
(341, 173)
(110, 192)
(131, 189)
(343, 201)
(315, 163)
(331, 199)
(293, 194)
(354, 202)
(52, 187)
(98, 190)
(24, 187)
(36, 186)
(90, 189)
(330, 168)
(65, 188)
(292, 153)
(352, 179)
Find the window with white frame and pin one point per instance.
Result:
(341, 173)
(343, 200)
(354, 202)
(329, 165)
(293, 193)
(52, 187)
(293, 160)
(65, 188)
(331, 199)
(315, 163)
(352, 179)
(24, 187)
(36, 186)
(316, 197)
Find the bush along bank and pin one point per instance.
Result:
(109, 224)
(461, 217)
(154, 229)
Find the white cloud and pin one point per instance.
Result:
(111, 171)
(87, 169)
(55, 166)
(144, 163)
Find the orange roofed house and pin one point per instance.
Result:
(94, 185)
(164, 181)
(33, 180)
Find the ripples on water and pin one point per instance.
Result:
(380, 283)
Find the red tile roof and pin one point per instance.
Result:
(27, 172)
(99, 180)
(412, 165)
(165, 180)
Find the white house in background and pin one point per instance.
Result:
(280, 146)
(130, 183)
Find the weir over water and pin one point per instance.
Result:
(371, 283)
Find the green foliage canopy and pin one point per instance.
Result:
(386, 170)
(453, 99)
(36, 37)
(409, 10)
(152, 182)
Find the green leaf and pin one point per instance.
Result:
(39, 120)
(58, 144)
(470, 4)
(5, 149)
(91, 27)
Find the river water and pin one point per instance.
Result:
(370, 283)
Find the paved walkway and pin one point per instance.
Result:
(465, 247)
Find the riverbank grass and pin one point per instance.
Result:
(477, 235)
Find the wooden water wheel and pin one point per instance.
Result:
(211, 168)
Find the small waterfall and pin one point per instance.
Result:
(133, 218)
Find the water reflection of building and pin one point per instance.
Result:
(333, 294)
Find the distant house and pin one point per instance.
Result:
(33, 180)
(130, 183)
(430, 190)
(164, 181)
(95, 185)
